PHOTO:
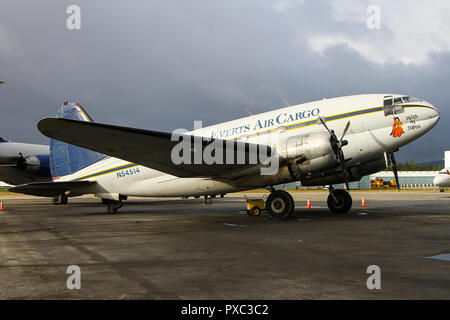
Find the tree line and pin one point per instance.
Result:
(412, 166)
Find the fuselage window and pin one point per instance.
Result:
(388, 111)
(391, 106)
(398, 101)
(398, 109)
(388, 106)
(387, 102)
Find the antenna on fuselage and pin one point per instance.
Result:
(248, 111)
(286, 103)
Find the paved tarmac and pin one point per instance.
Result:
(185, 249)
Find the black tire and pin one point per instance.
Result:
(279, 204)
(55, 200)
(64, 199)
(112, 208)
(254, 212)
(344, 203)
(291, 199)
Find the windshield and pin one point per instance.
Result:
(410, 99)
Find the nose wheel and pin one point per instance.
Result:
(339, 201)
(280, 204)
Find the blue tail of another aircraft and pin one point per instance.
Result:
(2, 140)
(65, 158)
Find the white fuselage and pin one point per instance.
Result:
(11, 151)
(442, 180)
(373, 131)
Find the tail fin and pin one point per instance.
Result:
(2, 140)
(65, 158)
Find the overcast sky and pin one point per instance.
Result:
(163, 64)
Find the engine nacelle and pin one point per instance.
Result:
(38, 164)
(309, 153)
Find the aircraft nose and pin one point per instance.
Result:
(433, 112)
(437, 113)
(437, 180)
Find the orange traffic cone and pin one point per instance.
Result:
(1, 206)
(363, 202)
(308, 204)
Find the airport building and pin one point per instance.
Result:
(407, 179)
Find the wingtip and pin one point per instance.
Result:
(43, 125)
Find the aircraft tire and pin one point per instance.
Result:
(279, 204)
(344, 202)
(64, 199)
(112, 208)
(55, 200)
(291, 199)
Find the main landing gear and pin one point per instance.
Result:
(279, 204)
(60, 199)
(339, 201)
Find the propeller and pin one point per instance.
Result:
(336, 145)
(21, 162)
(391, 160)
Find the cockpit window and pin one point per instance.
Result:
(398, 101)
(388, 101)
(410, 99)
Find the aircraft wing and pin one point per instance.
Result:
(50, 189)
(145, 147)
(13, 175)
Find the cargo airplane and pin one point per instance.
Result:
(319, 143)
(23, 162)
(442, 180)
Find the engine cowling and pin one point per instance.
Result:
(38, 164)
(309, 153)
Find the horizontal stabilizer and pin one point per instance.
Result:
(146, 147)
(50, 189)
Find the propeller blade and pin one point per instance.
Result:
(345, 130)
(321, 120)
(337, 145)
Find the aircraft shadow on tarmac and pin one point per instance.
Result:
(194, 208)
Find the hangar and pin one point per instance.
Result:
(407, 179)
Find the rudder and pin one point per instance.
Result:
(65, 158)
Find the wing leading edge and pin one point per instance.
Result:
(50, 189)
(148, 148)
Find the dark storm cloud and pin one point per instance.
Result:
(163, 64)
